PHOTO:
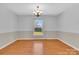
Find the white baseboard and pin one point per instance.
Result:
(33, 38)
(69, 44)
(7, 44)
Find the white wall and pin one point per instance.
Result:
(7, 26)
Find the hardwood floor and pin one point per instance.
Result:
(38, 47)
(57, 47)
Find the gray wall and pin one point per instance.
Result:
(26, 23)
(25, 26)
(69, 20)
(7, 26)
(69, 25)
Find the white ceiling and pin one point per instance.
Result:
(27, 8)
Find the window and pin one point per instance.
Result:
(38, 28)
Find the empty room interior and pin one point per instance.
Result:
(39, 28)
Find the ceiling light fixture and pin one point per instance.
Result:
(37, 12)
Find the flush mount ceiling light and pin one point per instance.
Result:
(37, 12)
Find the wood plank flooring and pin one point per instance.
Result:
(38, 47)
